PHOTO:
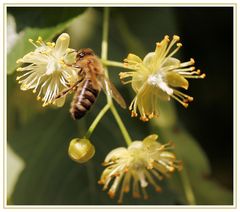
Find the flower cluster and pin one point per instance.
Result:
(143, 162)
(157, 76)
(49, 69)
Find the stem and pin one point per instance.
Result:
(187, 188)
(104, 52)
(96, 120)
(104, 55)
(121, 125)
(115, 64)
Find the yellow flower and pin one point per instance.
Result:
(157, 76)
(143, 162)
(49, 69)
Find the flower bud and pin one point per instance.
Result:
(81, 150)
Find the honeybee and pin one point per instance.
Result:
(92, 80)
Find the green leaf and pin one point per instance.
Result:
(50, 177)
(34, 22)
(42, 17)
(19, 112)
(196, 167)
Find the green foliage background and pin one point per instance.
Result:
(40, 136)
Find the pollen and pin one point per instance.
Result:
(190, 98)
(111, 194)
(49, 43)
(20, 61)
(133, 114)
(192, 61)
(151, 116)
(176, 37)
(20, 69)
(40, 38)
(158, 189)
(100, 182)
(24, 87)
(179, 45)
(144, 118)
(158, 44)
(166, 37)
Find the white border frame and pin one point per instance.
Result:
(123, 3)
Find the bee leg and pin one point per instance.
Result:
(64, 92)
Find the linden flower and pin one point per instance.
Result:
(157, 76)
(143, 162)
(48, 69)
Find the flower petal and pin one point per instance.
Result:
(162, 94)
(62, 44)
(135, 146)
(134, 58)
(60, 102)
(148, 59)
(150, 138)
(115, 153)
(171, 61)
(70, 58)
(176, 80)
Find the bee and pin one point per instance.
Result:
(92, 80)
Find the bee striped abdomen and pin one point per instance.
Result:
(83, 99)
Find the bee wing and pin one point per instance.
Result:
(94, 80)
(112, 91)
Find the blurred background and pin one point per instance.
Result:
(39, 169)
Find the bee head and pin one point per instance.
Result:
(84, 52)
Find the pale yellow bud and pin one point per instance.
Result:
(81, 150)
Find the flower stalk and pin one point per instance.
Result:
(187, 188)
(121, 125)
(104, 55)
(97, 120)
(115, 64)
